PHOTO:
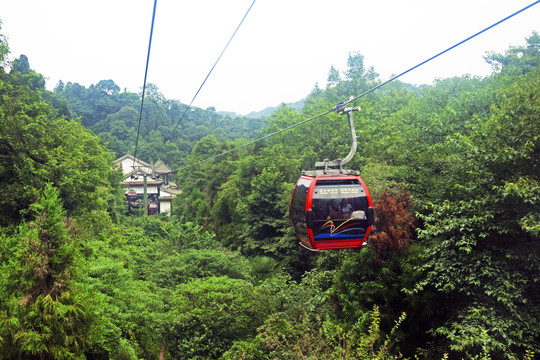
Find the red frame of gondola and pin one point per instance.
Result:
(154, 208)
(128, 197)
(310, 242)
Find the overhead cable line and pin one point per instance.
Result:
(257, 140)
(207, 76)
(342, 105)
(441, 53)
(144, 83)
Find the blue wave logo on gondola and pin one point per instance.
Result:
(342, 231)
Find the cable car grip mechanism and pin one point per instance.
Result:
(326, 165)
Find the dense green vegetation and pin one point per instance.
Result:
(114, 116)
(451, 270)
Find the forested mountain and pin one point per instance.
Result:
(451, 270)
(168, 129)
(270, 110)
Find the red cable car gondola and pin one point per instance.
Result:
(332, 208)
(152, 209)
(331, 211)
(131, 196)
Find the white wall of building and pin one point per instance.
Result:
(165, 207)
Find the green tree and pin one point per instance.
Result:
(333, 77)
(4, 49)
(21, 69)
(302, 327)
(119, 261)
(484, 257)
(358, 78)
(517, 60)
(264, 210)
(108, 86)
(153, 92)
(171, 270)
(208, 315)
(44, 314)
(37, 146)
(21, 65)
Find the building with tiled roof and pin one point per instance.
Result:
(158, 188)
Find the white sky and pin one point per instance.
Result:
(282, 49)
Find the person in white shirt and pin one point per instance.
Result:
(359, 214)
(346, 210)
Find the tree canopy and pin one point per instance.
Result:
(450, 270)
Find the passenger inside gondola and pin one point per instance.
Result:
(330, 215)
(318, 211)
(324, 209)
(346, 209)
(335, 213)
(358, 214)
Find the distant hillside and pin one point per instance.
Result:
(113, 115)
(267, 112)
(270, 110)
